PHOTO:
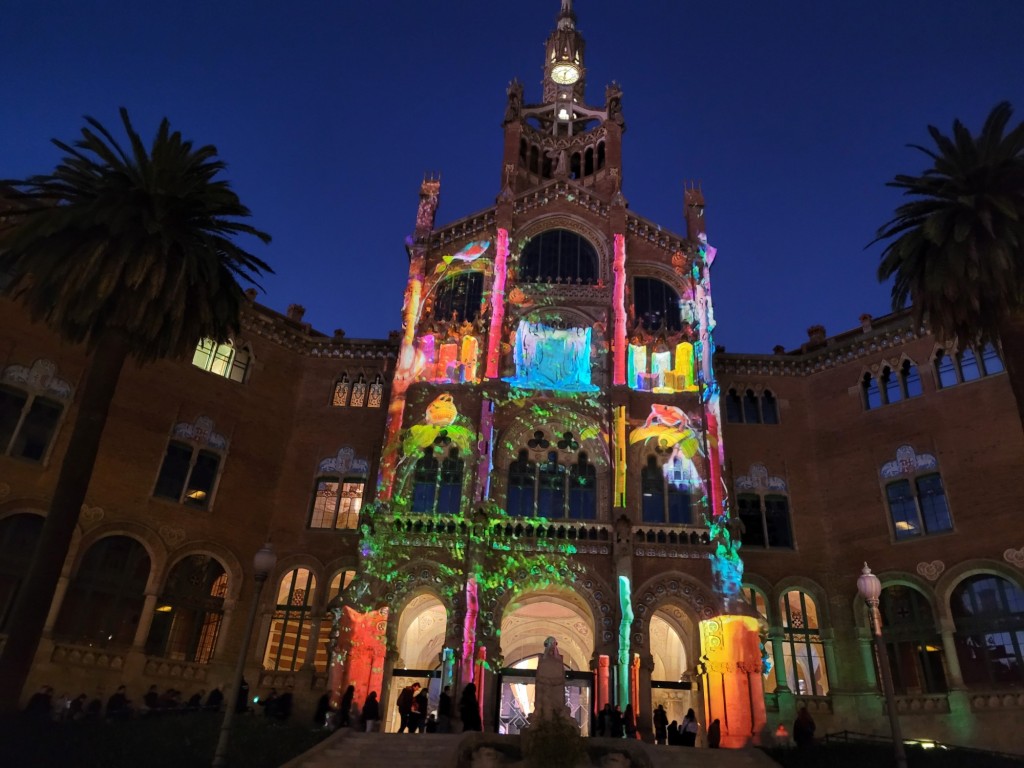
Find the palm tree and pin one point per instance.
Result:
(130, 253)
(956, 250)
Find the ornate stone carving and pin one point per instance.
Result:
(90, 517)
(171, 535)
(1014, 557)
(932, 570)
(41, 377)
(201, 431)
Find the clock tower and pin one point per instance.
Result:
(563, 61)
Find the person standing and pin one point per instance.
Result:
(405, 702)
(469, 709)
(715, 734)
(660, 725)
(629, 722)
(345, 707)
(444, 710)
(371, 712)
(688, 730)
(803, 728)
(418, 717)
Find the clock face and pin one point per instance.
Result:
(565, 74)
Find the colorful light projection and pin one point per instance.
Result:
(626, 607)
(485, 451)
(734, 689)
(357, 651)
(552, 358)
(666, 371)
(620, 456)
(619, 307)
(497, 304)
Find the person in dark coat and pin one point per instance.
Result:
(444, 710)
(214, 700)
(283, 706)
(688, 730)
(418, 716)
(38, 707)
(673, 734)
(371, 712)
(345, 707)
(629, 722)
(660, 725)
(405, 702)
(803, 728)
(469, 709)
(715, 734)
(615, 723)
(195, 702)
(242, 702)
(118, 706)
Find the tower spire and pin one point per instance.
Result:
(563, 59)
(566, 17)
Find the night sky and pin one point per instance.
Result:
(793, 115)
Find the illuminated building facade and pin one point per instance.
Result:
(545, 449)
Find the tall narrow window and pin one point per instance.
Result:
(290, 625)
(27, 424)
(911, 379)
(872, 394)
(449, 494)
(656, 305)
(336, 503)
(756, 599)
(189, 611)
(652, 492)
(891, 386)
(359, 392)
(558, 256)
(521, 479)
(424, 490)
(733, 408)
(969, 370)
(766, 520)
(342, 390)
(667, 491)
(582, 489)
(460, 297)
(188, 475)
(551, 487)
(804, 653)
(945, 369)
(105, 598)
(769, 408)
(751, 413)
(989, 615)
(376, 396)
(990, 360)
(337, 585)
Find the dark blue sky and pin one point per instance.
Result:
(792, 114)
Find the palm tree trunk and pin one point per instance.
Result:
(1011, 338)
(33, 603)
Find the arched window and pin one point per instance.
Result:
(459, 297)
(359, 392)
(558, 256)
(891, 386)
(449, 493)
(969, 369)
(222, 359)
(656, 305)
(804, 653)
(990, 361)
(912, 640)
(18, 537)
(189, 611)
(989, 615)
(966, 366)
(756, 599)
(910, 378)
(667, 491)
(105, 598)
(769, 408)
(917, 506)
(765, 520)
(733, 408)
(424, 479)
(188, 475)
(28, 423)
(751, 412)
(945, 368)
(872, 394)
(337, 585)
(554, 488)
(336, 502)
(342, 390)
(376, 397)
(289, 627)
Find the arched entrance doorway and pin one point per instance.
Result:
(674, 650)
(421, 632)
(525, 624)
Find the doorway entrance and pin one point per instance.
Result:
(421, 632)
(515, 686)
(670, 635)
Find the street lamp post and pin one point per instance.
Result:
(870, 588)
(262, 565)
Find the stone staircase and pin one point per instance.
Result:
(433, 750)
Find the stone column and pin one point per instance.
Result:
(642, 706)
(954, 676)
(55, 604)
(220, 649)
(867, 654)
(309, 659)
(145, 622)
(386, 705)
(779, 659)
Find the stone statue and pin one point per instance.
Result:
(549, 691)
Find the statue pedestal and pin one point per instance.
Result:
(733, 684)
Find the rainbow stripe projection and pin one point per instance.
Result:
(497, 304)
(619, 307)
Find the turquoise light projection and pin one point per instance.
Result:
(626, 606)
(552, 358)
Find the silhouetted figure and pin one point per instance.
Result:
(371, 712)
(38, 707)
(283, 707)
(660, 725)
(674, 738)
(715, 734)
(242, 702)
(688, 730)
(118, 706)
(444, 710)
(629, 722)
(615, 723)
(323, 708)
(151, 699)
(405, 702)
(345, 707)
(418, 716)
(469, 709)
(214, 700)
(195, 701)
(803, 728)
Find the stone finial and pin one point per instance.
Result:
(295, 312)
(865, 322)
(816, 334)
(339, 333)
(778, 349)
(250, 294)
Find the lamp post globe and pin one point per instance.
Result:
(870, 588)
